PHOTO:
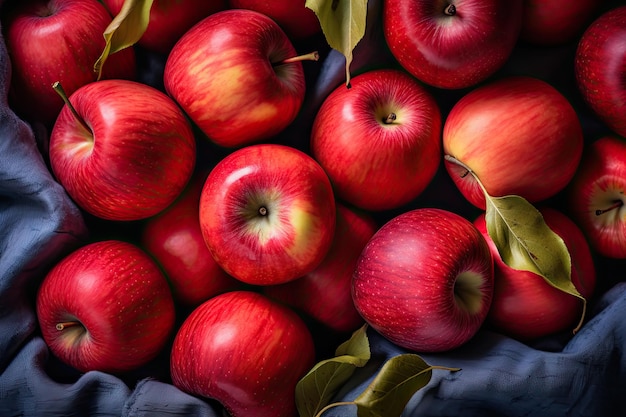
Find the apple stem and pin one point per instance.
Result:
(450, 10)
(391, 117)
(312, 56)
(66, 324)
(59, 89)
(615, 205)
(263, 211)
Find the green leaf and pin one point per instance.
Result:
(525, 242)
(343, 24)
(315, 390)
(357, 346)
(394, 385)
(125, 29)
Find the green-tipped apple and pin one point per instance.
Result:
(325, 293)
(597, 196)
(267, 214)
(238, 77)
(380, 140)
(116, 156)
(57, 40)
(452, 44)
(519, 134)
(245, 351)
(170, 19)
(106, 306)
(175, 240)
(424, 281)
(599, 67)
(525, 306)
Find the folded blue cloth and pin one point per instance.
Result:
(581, 376)
(502, 377)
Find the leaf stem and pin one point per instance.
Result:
(332, 405)
(582, 316)
(444, 368)
(61, 92)
(453, 160)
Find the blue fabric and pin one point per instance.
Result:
(502, 377)
(580, 376)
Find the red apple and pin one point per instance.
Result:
(599, 67)
(298, 21)
(425, 280)
(550, 22)
(118, 158)
(228, 75)
(379, 141)
(267, 214)
(525, 306)
(245, 351)
(326, 292)
(57, 40)
(452, 44)
(175, 240)
(106, 307)
(518, 134)
(597, 196)
(170, 19)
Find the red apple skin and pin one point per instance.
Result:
(452, 51)
(524, 305)
(294, 235)
(326, 292)
(245, 351)
(75, 28)
(597, 196)
(551, 23)
(372, 163)
(599, 68)
(221, 73)
(170, 19)
(174, 239)
(121, 299)
(518, 134)
(134, 162)
(425, 280)
(298, 21)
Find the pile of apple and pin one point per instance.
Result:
(234, 252)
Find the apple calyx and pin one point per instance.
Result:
(450, 10)
(616, 205)
(311, 56)
(467, 291)
(61, 92)
(263, 211)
